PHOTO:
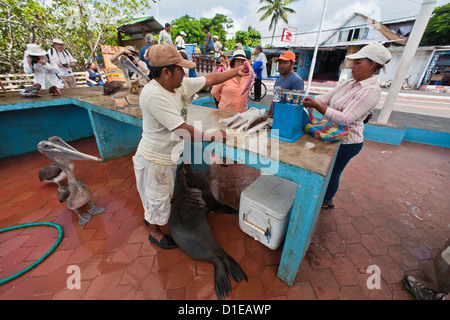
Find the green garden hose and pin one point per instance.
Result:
(35, 224)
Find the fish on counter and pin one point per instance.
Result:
(248, 122)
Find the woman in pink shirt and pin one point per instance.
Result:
(229, 92)
(350, 104)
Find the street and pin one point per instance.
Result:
(414, 108)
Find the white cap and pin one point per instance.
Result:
(59, 41)
(182, 33)
(34, 50)
(375, 52)
(239, 54)
(215, 37)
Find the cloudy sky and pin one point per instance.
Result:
(306, 19)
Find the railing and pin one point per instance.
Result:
(204, 64)
(13, 82)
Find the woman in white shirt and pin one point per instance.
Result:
(36, 61)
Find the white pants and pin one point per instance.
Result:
(155, 183)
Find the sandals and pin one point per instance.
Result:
(419, 291)
(329, 205)
(165, 242)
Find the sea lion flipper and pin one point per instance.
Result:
(221, 281)
(233, 268)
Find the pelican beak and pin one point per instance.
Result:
(127, 64)
(60, 142)
(54, 150)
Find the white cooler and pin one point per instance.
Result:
(265, 208)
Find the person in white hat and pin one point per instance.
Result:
(217, 46)
(164, 105)
(179, 41)
(228, 93)
(36, 61)
(350, 104)
(65, 62)
(133, 55)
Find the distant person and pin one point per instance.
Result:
(165, 36)
(93, 76)
(150, 40)
(349, 104)
(39, 63)
(179, 42)
(222, 64)
(130, 53)
(217, 46)
(65, 62)
(228, 93)
(260, 68)
(208, 46)
(288, 79)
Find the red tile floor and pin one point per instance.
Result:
(392, 210)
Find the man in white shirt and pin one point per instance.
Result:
(36, 61)
(165, 36)
(217, 46)
(179, 41)
(164, 105)
(65, 62)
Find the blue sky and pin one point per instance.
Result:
(306, 19)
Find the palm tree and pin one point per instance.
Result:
(277, 9)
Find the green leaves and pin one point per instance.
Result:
(276, 9)
(438, 28)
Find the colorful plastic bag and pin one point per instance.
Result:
(325, 130)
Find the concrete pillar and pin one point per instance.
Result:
(410, 50)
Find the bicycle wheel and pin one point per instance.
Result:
(263, 90)
(251, 95)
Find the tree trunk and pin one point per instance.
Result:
(273, 33)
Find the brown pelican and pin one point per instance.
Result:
(76, 194)
(120, 89)
(53, 173)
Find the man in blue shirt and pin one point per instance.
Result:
(150, 40)
(288, 79)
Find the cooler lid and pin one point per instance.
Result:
(273, 193)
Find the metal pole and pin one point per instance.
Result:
(410, 50)
(313, 62)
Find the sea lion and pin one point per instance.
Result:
(192, 234)
(198, 179)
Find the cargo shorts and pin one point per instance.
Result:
(155, 183)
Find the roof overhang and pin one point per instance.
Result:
(141, 25)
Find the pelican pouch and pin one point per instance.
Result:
(265, 209)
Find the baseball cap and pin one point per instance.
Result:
(162, 55)
(59, 41)
(182, 33)
(375, 52)
(286, 55)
